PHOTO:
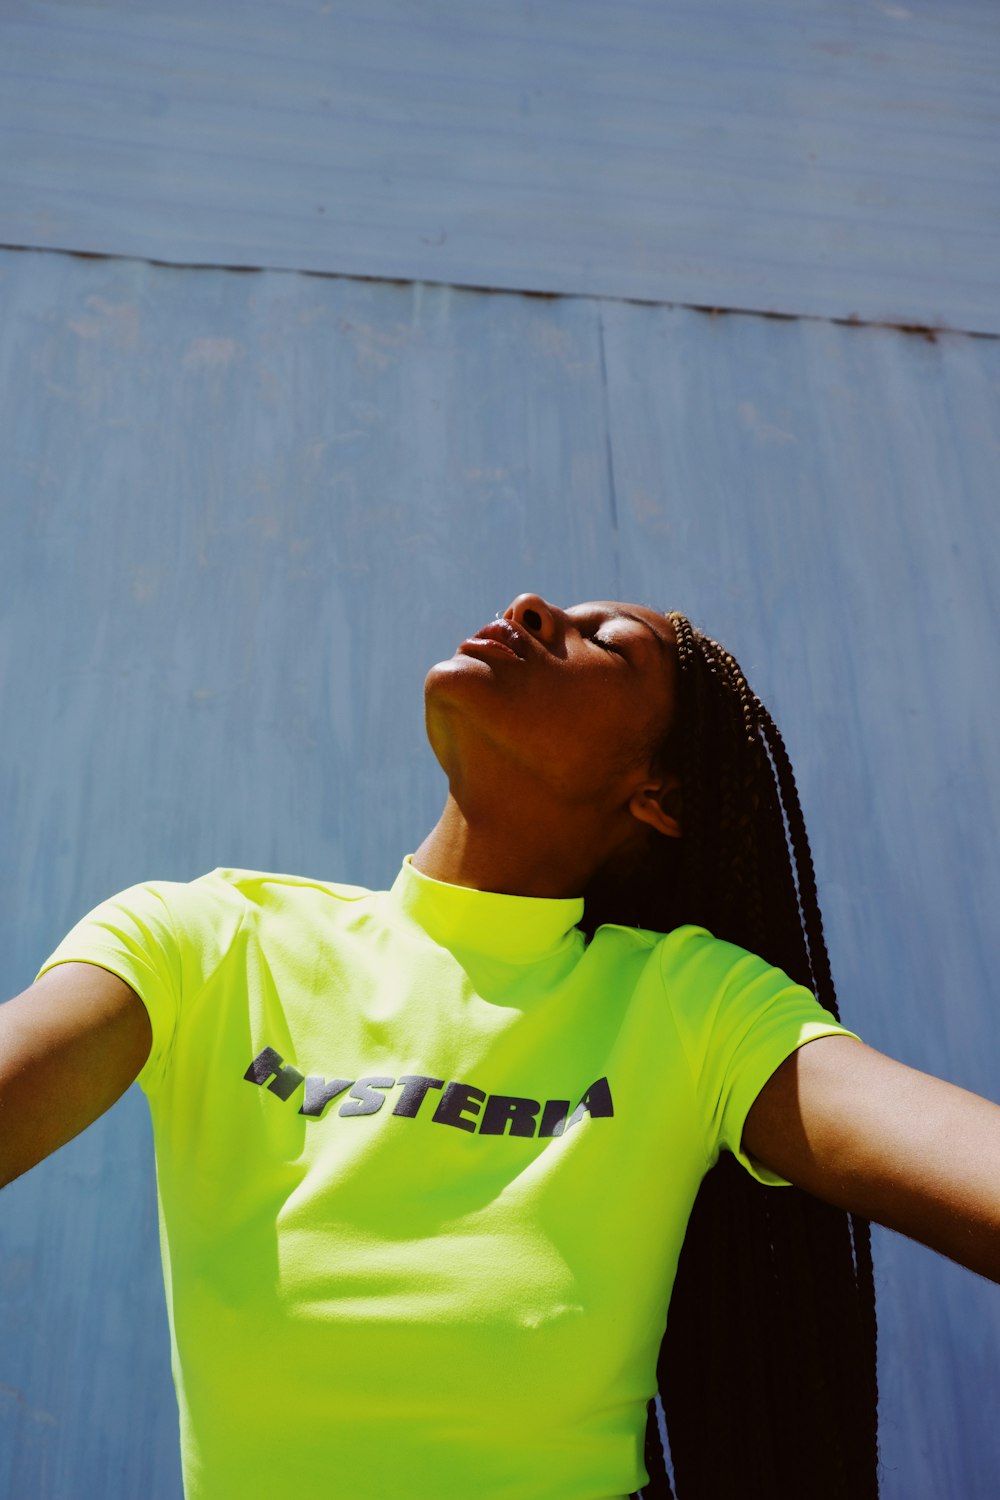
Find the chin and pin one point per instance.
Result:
(460, 693)
(454, 670)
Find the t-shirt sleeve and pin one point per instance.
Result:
(738, 1018)
(165, 938)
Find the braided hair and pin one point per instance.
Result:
(767, 1371)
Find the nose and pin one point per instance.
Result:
(534, 614)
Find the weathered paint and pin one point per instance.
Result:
(243, 513)
(793, 156)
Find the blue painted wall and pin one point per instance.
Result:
(810, 156)
(242, 512)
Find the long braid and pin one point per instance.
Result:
(767, 1370)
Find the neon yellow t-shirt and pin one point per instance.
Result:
(424, 1165)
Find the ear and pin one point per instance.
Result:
(659, 804)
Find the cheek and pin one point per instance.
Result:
(594, 749)
(580, 733)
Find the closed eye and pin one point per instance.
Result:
(605, 645)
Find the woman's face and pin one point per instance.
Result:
(573, 699)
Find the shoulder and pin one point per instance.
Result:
(692, 950)
(213, 906)
(228, 897)
(258, 887)
(680, 950)
(717, 988)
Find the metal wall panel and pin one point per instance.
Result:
(794, 155)
(243, 513)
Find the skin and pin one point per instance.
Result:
(547, 785)
(544, 789)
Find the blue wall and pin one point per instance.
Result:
(243, 511)
(781, 155)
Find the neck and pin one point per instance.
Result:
(494, 851)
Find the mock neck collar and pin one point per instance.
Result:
(516, 929)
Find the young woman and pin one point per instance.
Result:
(433, 1161)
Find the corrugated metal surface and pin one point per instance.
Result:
(243, 513)
(791, 155)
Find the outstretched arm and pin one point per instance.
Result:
(871, 1135)
(70, 1045)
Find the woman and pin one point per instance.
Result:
(426, 1158)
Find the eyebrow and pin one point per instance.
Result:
(626, 614)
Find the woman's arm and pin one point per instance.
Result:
(883, 1140)
(70, 1045)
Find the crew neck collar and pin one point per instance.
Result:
(516, 929)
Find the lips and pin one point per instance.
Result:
(500, 633)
